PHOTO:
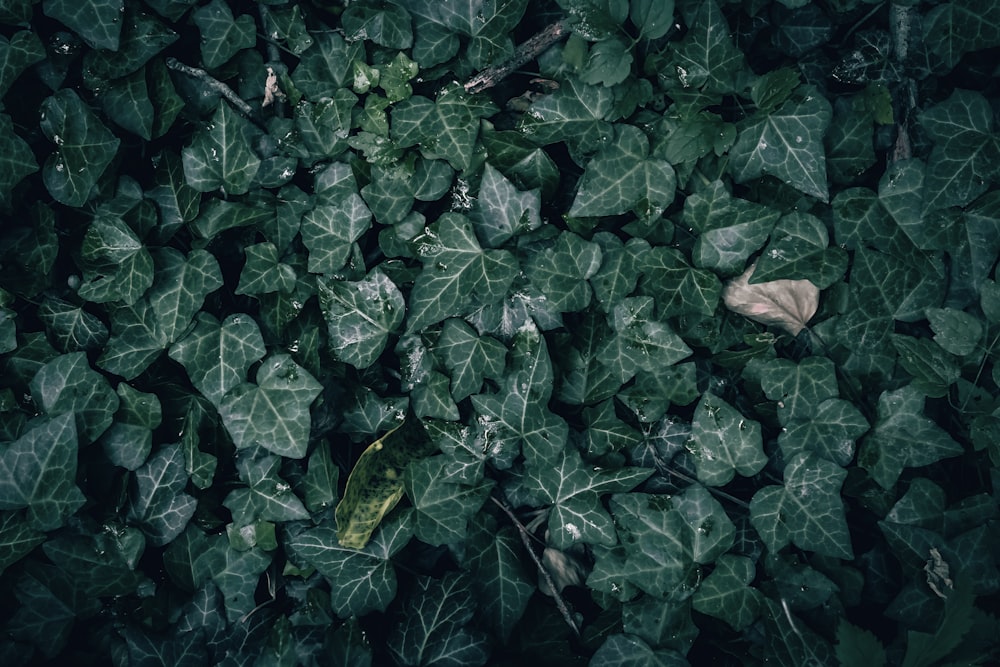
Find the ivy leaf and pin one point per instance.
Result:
(575, 113)
(903, 437)
(657, 543)
(622, 177)
(444, 128)
(222, 35)
(706, 57)
(724, 442)
(84, 147)
(129, 440)
(39, 473)
(677, 287)
(729, 229)
(788, 304)
(653, 18)
(469, 357)
(574, 494)
(22, 50)
(220, 155)
(561, 272)
(642, 342)
(486, 23)
(806, 511)
(955, 28)
(360, 316)
(274, 412)
(229, 349)
(263, 273)
(117, 266)
(324, 67)
(726, 593)
(97, 22)
(67, 384)
(16, 159)
(387, 25)
(799, 249)
(442, 507)
(70, 327)
(329, 230)
(502, 211)
(954, 330)
(158, 501)
(609, 62)
(458, 275)
(375, 484)
(266, 497)
(433, 629)
(786, 144)
(500, 576)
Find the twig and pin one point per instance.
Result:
(662, 466)
(526, 541)
(526, 51)
(241, 105)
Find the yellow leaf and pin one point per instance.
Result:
(788, 304)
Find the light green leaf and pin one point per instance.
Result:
(38, 472)
(220, 155)
(442, 507)
(84, 147)
(724, 442)
(360, 316)
(329, 230)
(458, 276)
(217, 357)
(98, 22)
(729, 229)
(468, 357)
(158, 501)
(575, 114)
(726, 593)
(806, 511)
(222, 35)
(574, 493)
(502, 211)
(274, 412)
(786, 144)
(622, 177)
(432, 628)
(903, 437)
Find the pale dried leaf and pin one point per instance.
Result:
(788, 304)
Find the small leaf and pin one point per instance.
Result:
(788, 304)
(724, 442)
(266, 496)
(469, 358)
(220, 155)
(954, 330)
(726, 593)
(502, 210)
(329, 230)
(67, 384)
(360, 316)
(442, 507)
(222, 35)
(654, 18)
(857, 647)
(375, 484)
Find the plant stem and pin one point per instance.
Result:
(241, 105)
(526, 51)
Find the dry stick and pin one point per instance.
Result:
(528, 50)
(526, 541)
(224, 90)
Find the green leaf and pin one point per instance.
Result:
(70, 327)
(786, 144)
(329, 230)
(263, 273)
(726, 593)
(266, 497)
(729, 229)
(561, 272)
(387, 25)
(903, 437)
(217, 357)
(574, 493)
(955, 28)
(442, 507)
(22, 50)
(956, 331)
(575, 113)
(444, 128)
(142, 38)
(220, 155)
(502, 211)
(622, 177)
(39, 473)
(375, 484)
(18, 538)
(158, 501)
(857, 647)
(433, 625)
(706, 57)
(500, 576)
(68, 384)
(642, 342)
(724, 442)
(177, 201)
(806, 511)
(360, 316)
(361, 581)
(16, 159)
(84, 147)
(323, 125)
(117, 267)
(609, 63)
(325, 66)
(458, 276)
(654, 19)
(129, 440)
(181, 288)
(676, 287)
(933, 369)
(830, 430)
(657, 543)
(222, 36)
(468, 357)
(274, 412)
(97, 22)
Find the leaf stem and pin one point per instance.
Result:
(526, 51)
(526, 541)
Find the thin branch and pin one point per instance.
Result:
(525, 52)
(526, 541)
(663, 468)
(241, 105)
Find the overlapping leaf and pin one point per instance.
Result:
(446, 127)
(220, 155)
(360, 316)
(724, 442)
(158, 502)
(329, 230)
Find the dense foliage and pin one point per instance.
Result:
(326, 343)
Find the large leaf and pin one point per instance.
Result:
(39, 473)
(729, 229)
(84, 147)
(444, 128)
(575, 113)
(806, 511)
(68, 384)
(706, 58)
(98, 22)
(787, 144)
(502, 211)
(360, 316)
(329, 230)
(222, 36)
(500, 575)
(442, 507)
(159, 503)
(16, 159)
(220, 155)
(724, 442)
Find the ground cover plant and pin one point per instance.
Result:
(460, 332)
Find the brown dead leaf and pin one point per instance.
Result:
(788, 304)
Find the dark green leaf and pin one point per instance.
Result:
(857, 647)
(18, 53)
(954, 28)
(158, 501)
(609, 63)
(324, 66)
(16, 159)
(98, 22)
(329, 230)
(68, 384)
(129, 440)
(501, 577)
(142, 38)
(502, 211)
(444, 128)
(385, 24)
(729, 229)
(657, 543)
(442, 507)
(360, 316)
(706, 57)
(653, 18)
(575, 113)
(222, 35)
(561, 272)
(71, 328)
(726, 593)
(468, 357)
(724, 442)
(84, 147)
(220, 155)
(266, 495)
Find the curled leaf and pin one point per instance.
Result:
(788, 304)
